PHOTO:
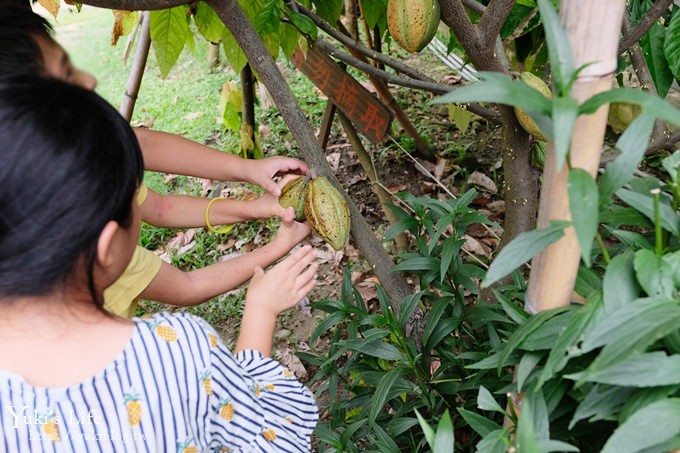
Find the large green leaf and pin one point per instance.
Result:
(268, 18)
(521, 249)
(601, 403)
(654, 274)
(672, 44)
(645, 204)
(647, 427)
(651, 369)
(633, 144)
(443, 439)
(583, 203)
(208, 23)
(652, 44)
(480, 424)
(237, 59)
(486, 401)
(330, 10)
(501, 89)
(169, 29)
(377, 349)
(619, 284)
(495, 442)
(288, 36)
(374, 11)
(558, 47)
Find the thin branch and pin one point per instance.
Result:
(522, 27)
(437, 88)
(493, 19)
(454, 15)
(475, 6)
(135, 5)
(353, 44)
(644, 24)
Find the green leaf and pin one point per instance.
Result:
(564, 113)
(583, 203)
(652, 44)
(304, 24)
(601, 403)
(208, 23)
(632, 239)
(649, 426)
(444, 440)
(377, 349)
(486, 401)
(619, 287)
(419, 263)
(633, 144)
(461, 117)
(268, 17)
(380, 395)
(288, 35)
(526, 365)
(373, 10)
(651, 369)
(645, 204)
(480, 424)
(527, 439)
(558, 47)
(644, 397)
(237, 59)
(500, 89)
(521, 249)
(514, 311)
(330, 10)
(450, 249)
(495, 442)
(654, 274)
(169, 29)
(427, 429)
(408, 306)
(549, 445)
(653, 105)
(616, 216)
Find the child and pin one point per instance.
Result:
(74, 378)
(26, 44)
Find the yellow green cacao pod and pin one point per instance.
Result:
(327, 212)
(524, 119)
(413, 23)
(621, 114)
(293, 195)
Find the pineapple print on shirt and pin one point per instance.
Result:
(134, 408)
(226, 409)
(269, 434)
(165, 332)
(50, 427)
(212, 339)
(187, 446)
(207, 383)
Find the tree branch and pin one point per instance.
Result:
(353, 44)
(135, 5)
(644, 24)
(475, 6)
(493, 19)
(455, 16)
(432, 87)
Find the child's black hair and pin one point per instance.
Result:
(70, 164)
(20, 28)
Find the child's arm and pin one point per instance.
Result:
(183, 211)
(270, 293)
(170, 153)
(175, 287)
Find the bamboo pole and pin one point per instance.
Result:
(594, 41)
(127, 106)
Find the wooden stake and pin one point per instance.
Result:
(593, 41)
(127, 106)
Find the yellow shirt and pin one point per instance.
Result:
(121, 297)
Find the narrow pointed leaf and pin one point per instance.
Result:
(521, 249)
(645, 370)
(558, 46)
(486, 401)
(647, 427)
(583, 203)
(652, 105)
(380, 395)
(645, 204)
(565, 111)
(619, 285)
(672, 44)
(444, 440)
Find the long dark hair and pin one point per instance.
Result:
(20, 27)
(69, 164)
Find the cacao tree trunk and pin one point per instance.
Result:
(593, 41)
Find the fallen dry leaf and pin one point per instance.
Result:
(181, 239)
(193, 115)
(481, 181)
(288, 359)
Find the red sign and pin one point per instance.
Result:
(366, 112)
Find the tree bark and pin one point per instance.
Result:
(127, 106)
(553, 272)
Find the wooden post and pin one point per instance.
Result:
(127, 106)
(594, 41)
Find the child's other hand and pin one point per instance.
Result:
(262, 171)
(291, 233)
(284, 285)
(268, 206)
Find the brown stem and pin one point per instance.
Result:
(493, 19)
(135, 5)
(127, 106)
(633, 35)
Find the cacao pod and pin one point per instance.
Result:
(524, 119)
(293, 195)
(621, 114)
(327, 212)
(413, 23)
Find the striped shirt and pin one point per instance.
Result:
(174, 388)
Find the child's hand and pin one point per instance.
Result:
(262, 171)
(283, 285)
(268, 206)
(290, 233)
